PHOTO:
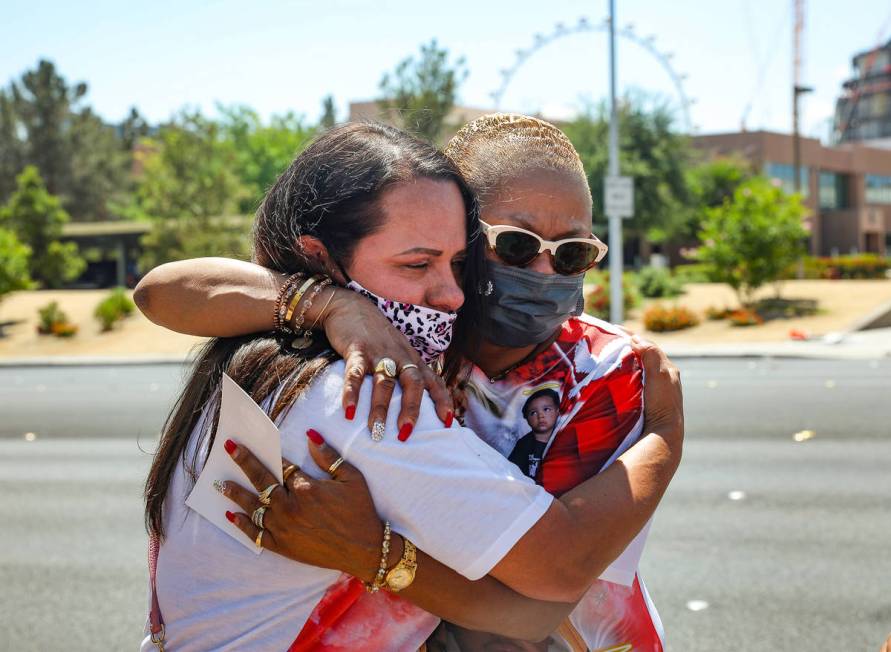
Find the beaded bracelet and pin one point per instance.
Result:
(304, 337)
(280, 302)
(378, 583)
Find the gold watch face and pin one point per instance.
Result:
(399, 578)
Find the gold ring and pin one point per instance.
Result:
(387, 367)
(257, 516)
(259, 540)
(410, 365)
(335, 466)
(288, 471)
(264, 496)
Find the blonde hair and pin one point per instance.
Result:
(496, 148)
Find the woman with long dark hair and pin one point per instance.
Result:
(390, 218)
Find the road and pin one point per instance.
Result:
(762, 542)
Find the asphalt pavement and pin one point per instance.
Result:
(773, 536)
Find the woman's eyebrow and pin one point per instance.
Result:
(421, 250)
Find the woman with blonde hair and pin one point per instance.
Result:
(606, 467)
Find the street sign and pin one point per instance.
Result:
(618, 196)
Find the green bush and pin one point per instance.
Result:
(658, 283)
(691, 273)
(659, 319)
(597, 300)
(113, 308)
(856, 266)
(52, 321)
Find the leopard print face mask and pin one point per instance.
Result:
(429, 331)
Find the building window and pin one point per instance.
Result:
(784, 175)
(833, 191)
(878, 189)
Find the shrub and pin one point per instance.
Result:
(657, 283)
(855, 266)
(659, 319)
(691, 273)
(64, 330)
(745, 317)
(597, 300)
(113, 308)
(716, 314)
(52, 321)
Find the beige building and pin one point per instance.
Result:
(847, 187)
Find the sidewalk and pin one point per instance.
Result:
(862, 345)
(845, 304)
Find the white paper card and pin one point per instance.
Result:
(245, 423)
(623, 570)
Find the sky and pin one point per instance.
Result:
(279, 56)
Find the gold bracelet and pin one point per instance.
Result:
(378, 583)
(297, 296)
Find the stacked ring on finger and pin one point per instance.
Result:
(410, 365)
(257, 516)
(265, 496)
(288, 471)
(387, 367)
(335, 466)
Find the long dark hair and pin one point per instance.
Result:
(330, 191)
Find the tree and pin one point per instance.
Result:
(36, 218)
(329, 113)
(710, 183)
(650, 151)
(14, 264)
(261, 152)
(188, 170)
(419, 93)
(753, 237)
(133, 129)
(190, 190)
(43, 122)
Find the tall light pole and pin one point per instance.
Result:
(615, 219)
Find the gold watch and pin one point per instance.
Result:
(403, 574)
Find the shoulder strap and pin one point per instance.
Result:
(156, 621)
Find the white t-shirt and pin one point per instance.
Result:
(456, 498)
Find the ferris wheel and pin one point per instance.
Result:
(561, 30)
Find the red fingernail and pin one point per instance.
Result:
(315, 437)
(230, 516)
(449, 418)
(405, 431)
(230, 446)
(350, 412)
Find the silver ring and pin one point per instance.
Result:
(387, 367)
(257, 516)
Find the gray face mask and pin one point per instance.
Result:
(527, 307)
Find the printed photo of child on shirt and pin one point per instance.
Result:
(540, 411)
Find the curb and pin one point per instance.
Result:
(94, 361)
(786, 352)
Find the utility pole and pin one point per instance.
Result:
(616, 300)
(797, 91)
